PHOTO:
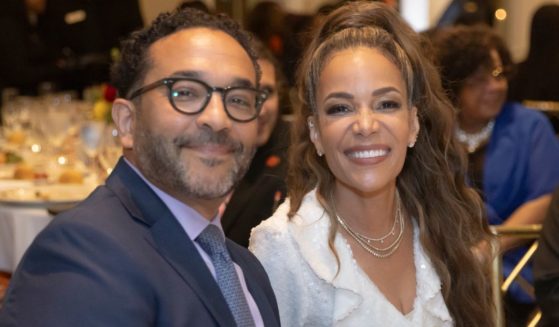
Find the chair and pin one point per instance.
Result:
(548, 108)
(500, 287)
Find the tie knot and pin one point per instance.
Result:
(212, 240)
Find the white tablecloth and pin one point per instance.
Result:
(18, 228)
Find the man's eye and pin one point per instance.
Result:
(185, 94)
(338, 109)
(239, 101)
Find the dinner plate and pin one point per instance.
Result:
(45, 196)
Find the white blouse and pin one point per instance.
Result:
(302, 270)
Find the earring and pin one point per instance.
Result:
(411, 144)
(319, 153)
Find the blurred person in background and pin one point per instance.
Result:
(263, 188)
(86, 34)
(513, 152)
(377, 191)
(468, 12)
(266, 22)
(537, 78)
(25, 59)
(546, 266)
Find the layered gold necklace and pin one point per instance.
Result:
(374, 245)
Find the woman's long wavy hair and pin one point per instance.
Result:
(432, 182)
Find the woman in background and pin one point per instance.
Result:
(513, 153)
(380, 226)
(262, 188)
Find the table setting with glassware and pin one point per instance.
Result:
(54, 151)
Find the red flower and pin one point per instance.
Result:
(109, 93)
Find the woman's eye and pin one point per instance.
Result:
(338, 109)
(389, 105)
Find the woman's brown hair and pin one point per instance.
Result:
(432, 182)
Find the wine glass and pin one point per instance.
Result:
(91, 134)
(110, 149)
(55, 120)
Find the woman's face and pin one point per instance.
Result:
(364, 123)
(483, 95)
(270, 109)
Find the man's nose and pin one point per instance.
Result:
(214, 114)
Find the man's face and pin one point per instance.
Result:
(199, 156)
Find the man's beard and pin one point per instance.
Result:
(161, 163)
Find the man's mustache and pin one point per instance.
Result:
(205, 137)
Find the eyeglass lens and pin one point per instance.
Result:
(191, 96)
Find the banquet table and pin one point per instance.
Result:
(21, 220)
(54, 151)
(18, 228)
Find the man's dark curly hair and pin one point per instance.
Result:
(134, 62)
(460, 51)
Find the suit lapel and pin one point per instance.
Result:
(173, 244)
(169, 239)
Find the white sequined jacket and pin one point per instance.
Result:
(302, 270)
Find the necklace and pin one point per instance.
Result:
(365, 242)
(474, 140)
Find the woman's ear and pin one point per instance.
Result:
(124, 115)
(315, 135)
(414, 127)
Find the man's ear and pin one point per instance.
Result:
(124, 117)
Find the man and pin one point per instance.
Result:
(143, 250)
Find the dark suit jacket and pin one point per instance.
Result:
(120, 258)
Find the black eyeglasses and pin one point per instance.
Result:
(191, 96)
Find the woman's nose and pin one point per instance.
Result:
(366, 122)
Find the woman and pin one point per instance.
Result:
(262, 188)
(377, 199)
(512, 150)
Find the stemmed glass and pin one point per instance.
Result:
(56, 120)
(110, 149)
(91, 134)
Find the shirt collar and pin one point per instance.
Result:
(191, 220)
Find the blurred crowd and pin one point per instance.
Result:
(512, 149)
(54, 45)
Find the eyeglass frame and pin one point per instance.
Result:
(261, 95)
(497, 73)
